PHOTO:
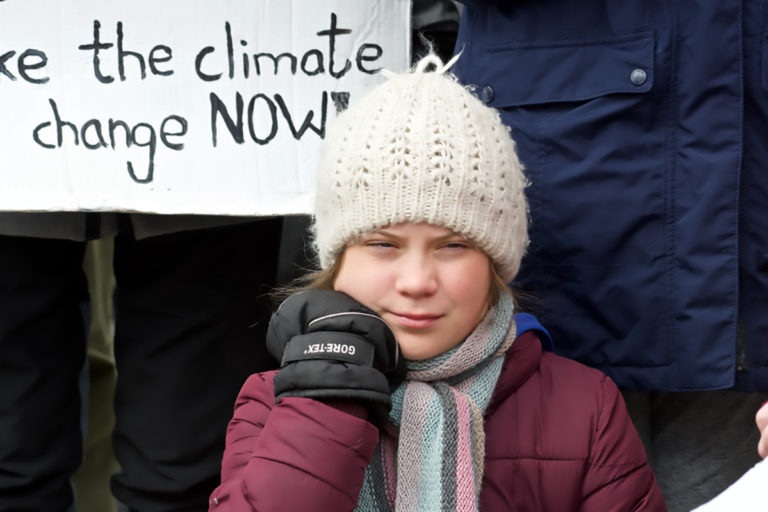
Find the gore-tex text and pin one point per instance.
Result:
(330, 348)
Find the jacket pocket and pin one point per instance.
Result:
(523, 73)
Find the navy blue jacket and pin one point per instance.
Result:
(643, 125)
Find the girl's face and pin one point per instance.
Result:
(430, 285)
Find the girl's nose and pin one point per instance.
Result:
(416, 276)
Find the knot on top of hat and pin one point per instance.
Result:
(426, 65)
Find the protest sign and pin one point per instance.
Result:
(210, 107)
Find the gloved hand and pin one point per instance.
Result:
(332, 347)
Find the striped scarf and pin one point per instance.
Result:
(437, 461)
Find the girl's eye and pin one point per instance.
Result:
(456, 245)
(379, 244)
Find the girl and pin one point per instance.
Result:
(407, 382)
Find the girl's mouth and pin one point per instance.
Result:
(416, 321)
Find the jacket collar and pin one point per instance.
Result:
(520, 362)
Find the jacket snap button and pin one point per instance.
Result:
(487, 94)
(638, 76)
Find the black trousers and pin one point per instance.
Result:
(190, 324)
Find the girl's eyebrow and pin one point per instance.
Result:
(384, 233)
(447, 236)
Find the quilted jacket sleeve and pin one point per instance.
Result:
(298, 454)
(618, 471)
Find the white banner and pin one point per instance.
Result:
(181, 106)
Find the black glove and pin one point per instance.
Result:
(332, 347)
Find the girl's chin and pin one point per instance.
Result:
(418, 348)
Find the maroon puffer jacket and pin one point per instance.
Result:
(558, 438)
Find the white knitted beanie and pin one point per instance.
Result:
(421, 148)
